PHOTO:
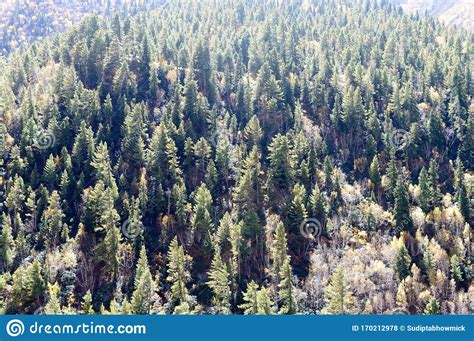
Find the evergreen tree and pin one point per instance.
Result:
(279, 250)
(424, 198)
(112, 240)
(338, 294)
(53, 306)
(297, 212)
(392, 178)
(402, 263)
(462, 195)
(455, 269)
(201, 219)
(250, 307)
(6, 242)
(51, 222)
(220, 285)
(141, 302)
(282, 163)
(49, 172)
(287, 290)
(432, 308)
(86, 306)
(36, 283)
(264, 302)
(374, 175)
(178, 275)
(402, 208)
(435, 192)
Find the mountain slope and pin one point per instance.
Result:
(451, 12)
(191, 158)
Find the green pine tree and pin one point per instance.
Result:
(432, 308)
(287, 290)
(53, 306)
(402, 208)
(219, 283)
(178, 275)
(338, 294)
(403, 263)
(86, 306)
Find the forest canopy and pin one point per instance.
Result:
(240, 157)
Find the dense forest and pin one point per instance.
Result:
(240, 157)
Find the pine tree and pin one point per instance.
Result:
(279, 250)
(338, 294)
(51, 221)
(253, 133)
(112, 240)
(86, 306)
(49, 173)
(201, 219)
(220, 285)
(103, 172)
(403, 263)
(393, 178)
(15, 195)
(142, 298)
(264, 302)
(432, 308)
(435, 192)
(282, 163)
(53, 307)
(287, 290)
(212, 180)
(402, 208)
(317, 205)
(462, 195)
(328, 174)
(250, 307)
(202, 152)
(132, 144)
(455, 269)
(36, 283)
(424, 197)
(6, 242)
(178, 275)
(297, 212)
(374, 175)
(248, 193)
(191, 107)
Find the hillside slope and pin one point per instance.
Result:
(451, 12)
(240, 156)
